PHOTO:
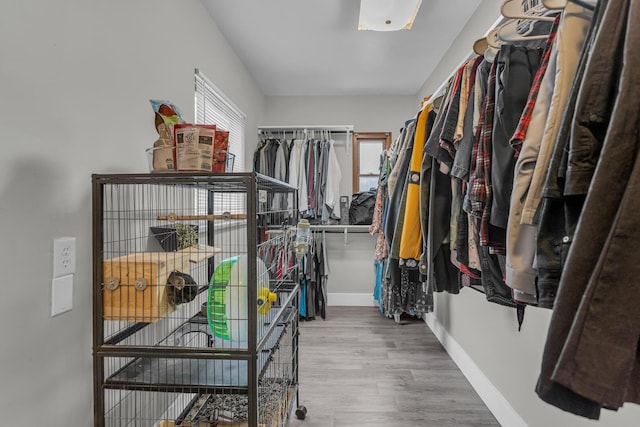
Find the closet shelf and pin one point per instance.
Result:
(340, 228)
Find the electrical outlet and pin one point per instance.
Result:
(64, 256)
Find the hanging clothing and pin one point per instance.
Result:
(402, 289)
(464, 137)
(377, 292)
(321, 182)
(442, 275)
(309, 164)
(298, 173)
(332, 187)
(395, 196)
(375, 229)
(516, 68)
(572, 32)
(281, 170)
(411, 238)
(437, 144)
(526, 142)
(444, 151)
(468, 83)
(596, 305)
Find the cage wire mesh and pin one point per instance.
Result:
(195, 284)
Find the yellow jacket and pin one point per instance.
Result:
(411, 240)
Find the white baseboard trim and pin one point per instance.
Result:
(490, 395)
(350, 300)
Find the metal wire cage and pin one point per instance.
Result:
(195, 300)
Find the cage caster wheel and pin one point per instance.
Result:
(301, 412)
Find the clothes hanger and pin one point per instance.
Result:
(554, 4)
(522, 20)
(437, 101)
(480, 46)
(490, 54)
(515, 9)
(493, 41)
(516, 31)
(493, 44)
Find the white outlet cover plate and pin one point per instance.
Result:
(61, 294)
(64, 256)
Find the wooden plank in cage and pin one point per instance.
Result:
(199, 253)
(173, 217)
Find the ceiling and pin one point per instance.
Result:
(307, 47)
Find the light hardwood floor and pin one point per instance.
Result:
(359, 368)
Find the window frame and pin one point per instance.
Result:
(357, 138)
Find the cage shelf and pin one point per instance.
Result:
(202, 375)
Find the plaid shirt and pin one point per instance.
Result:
(480, 185)
(525, 119)
(486, 139)
(480, 194)
(476, 184)
(472, 202)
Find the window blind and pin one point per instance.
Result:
(212, 107)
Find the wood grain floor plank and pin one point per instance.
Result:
(359, 368)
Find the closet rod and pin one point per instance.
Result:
(443, 86)
(331, 128)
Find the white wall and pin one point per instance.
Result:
(511, 360)
(480, 22)
(366, 113)
(75, 80)
(488, 333)
(352, 274)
